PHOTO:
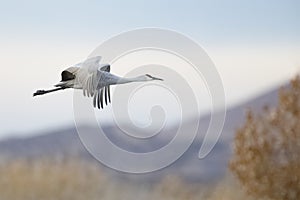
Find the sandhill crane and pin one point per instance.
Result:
(94, 79)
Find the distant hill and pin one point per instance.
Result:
(66, 143)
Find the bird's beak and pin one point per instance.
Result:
(160, 79)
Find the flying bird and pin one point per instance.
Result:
(94, 79)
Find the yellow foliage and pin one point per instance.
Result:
(266, 157)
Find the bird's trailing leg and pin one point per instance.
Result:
(41, 92)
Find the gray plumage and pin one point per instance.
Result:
(94, 79)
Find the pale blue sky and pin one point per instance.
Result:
(208, 21)
(254, 44)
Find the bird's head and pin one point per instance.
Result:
(148, 77)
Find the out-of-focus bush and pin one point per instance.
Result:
(266, 157)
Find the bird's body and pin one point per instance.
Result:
(94, 79)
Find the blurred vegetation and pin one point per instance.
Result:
(266, 158)
(50, 179)
(74, 179)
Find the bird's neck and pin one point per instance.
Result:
(129, 80)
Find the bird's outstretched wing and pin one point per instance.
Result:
(88, 76)
(91, 64)
(106, 88)
(98, 99)
(93, 81)
(105, 68)
(103, 91)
